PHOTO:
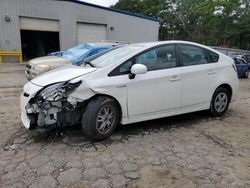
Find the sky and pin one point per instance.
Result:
(105, 3)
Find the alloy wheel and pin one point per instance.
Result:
(105, 119)
(220, 102)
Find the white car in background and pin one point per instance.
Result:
(133, 83)
(38, 66)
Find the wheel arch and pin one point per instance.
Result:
(109, 96)
(226, 86)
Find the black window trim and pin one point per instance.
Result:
(192, 45)
(116, 72)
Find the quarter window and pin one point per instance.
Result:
(212, 57)
(158, 58)
(192, 55)
(122, 69)
(125, 68)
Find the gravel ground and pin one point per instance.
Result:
(192, 150)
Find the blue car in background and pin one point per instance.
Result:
(82, 51)
(242, 67)
(73, 55)
(247, 59)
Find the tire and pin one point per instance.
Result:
(220, 101)
(100, 118)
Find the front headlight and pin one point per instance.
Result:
(41, 67)
(58, 91)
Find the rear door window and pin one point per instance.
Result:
(193, 55)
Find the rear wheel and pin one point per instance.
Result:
(100, 118)
(220, 101)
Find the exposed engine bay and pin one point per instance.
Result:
(53, 105)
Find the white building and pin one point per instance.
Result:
(41, 26)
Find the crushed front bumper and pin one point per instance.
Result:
(29, 91)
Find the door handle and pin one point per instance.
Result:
(211, 72)
(121, 86)
(175, 78)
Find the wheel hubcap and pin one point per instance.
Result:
(105, 119)
(221, 101)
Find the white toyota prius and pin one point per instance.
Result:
(133, 83)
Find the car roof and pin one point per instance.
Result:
(146, 44)
(106, 43)
(157, 43)
(167, 42)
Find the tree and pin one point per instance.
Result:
(220, 22)
(133, 6)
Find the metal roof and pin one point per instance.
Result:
(114, 10)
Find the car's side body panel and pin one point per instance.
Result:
(154, 92)
(165, 113)
(226, 75)
(198, 83)
(115, 87)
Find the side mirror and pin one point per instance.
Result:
(138, 69)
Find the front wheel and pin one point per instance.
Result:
(220, 101)
(100, 118)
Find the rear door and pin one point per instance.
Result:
(199, 74)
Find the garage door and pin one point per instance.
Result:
(38, 37)
(35, 24)
(91, 32)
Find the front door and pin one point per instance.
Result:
(158, 90)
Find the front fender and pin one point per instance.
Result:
(82, 93)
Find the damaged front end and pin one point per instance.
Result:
(53, 105)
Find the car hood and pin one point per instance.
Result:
(62, 74)
(48, 60)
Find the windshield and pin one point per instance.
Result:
(92, 57)
(113, 56)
